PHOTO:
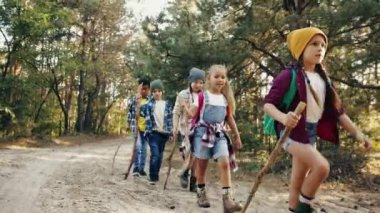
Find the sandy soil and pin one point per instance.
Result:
(78, 178)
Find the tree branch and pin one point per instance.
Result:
(263, 67)
(355, 27)
(6, 40)
(171, 55)
(254, 46)
(354, 83)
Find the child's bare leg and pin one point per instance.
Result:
(224, 171)
(318, 165)
(201, 170)
(201, 179)
(229, 204)
(318, 173)
(299, 170)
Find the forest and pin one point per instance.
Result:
(69, 67)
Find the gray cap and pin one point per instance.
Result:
(156, 84)
(196, 74)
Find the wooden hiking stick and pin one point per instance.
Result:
(114, 156)
(133, 155)
(170, 161)
(136, 136)
(272, 158)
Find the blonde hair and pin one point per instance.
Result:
(227, 90)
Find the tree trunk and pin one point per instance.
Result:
(80, 111)
(103, 116)
(87, 125)
(55, 88)
(37, 115)
(68, 100)
(89, 116)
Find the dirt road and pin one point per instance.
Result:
(78, 179)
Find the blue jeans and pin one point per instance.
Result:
(157, 143)
(140, 157)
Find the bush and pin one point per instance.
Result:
(346, 162)
(44, 129)
(248, 136)
(6, 118)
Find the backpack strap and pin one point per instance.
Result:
(201, 103)
(292, 90)
(269, 122)
(197, 116)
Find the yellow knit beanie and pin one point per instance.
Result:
(298, 39)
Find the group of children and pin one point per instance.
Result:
(200, 117)
(150, 119)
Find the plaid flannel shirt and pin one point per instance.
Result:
(131, 117)
(148, 111)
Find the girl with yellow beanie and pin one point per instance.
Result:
(323, 113)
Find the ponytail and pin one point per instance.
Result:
(229, 94)
(332, 98)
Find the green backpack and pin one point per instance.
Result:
(269, 122)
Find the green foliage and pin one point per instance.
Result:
(47, 44)
(45, 129)
(203, 33)
(249, 37)
(6, 118)
(350, 159)
(248, 135)
(55, 50)
(346, 162)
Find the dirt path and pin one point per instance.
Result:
(78, 179)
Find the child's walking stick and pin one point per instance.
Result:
(135, 140)
(133, 154)
(272, 158)
(170, 161)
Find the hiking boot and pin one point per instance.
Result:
(184, 179)
(152, 182)
(304, 208)
(142, 173)
(230, 205)
(135, 172)
(182, 150)
(193, 184)
(203, 201)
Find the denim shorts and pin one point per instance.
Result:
(220, 148)
(311, 132)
